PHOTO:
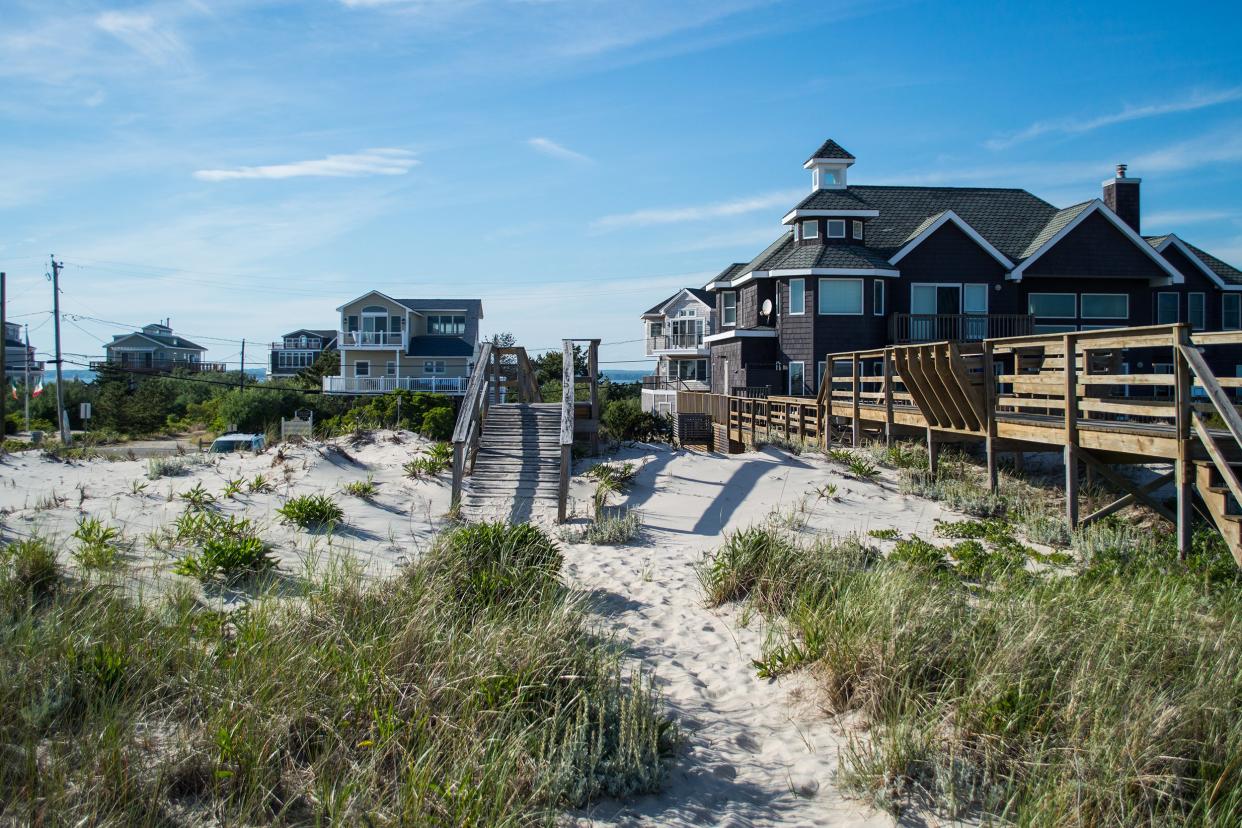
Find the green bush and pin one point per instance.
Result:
(315, 511)
(228, 557)
(498, 564)
(97, 544)
(438, 424)
(30, 570)
(624, 420)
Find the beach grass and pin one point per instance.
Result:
(472, 689)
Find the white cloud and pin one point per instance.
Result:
(720, 209)
(381, 161)
(551, 148)
(1075, 126)
(144, 35)
(1180, 217)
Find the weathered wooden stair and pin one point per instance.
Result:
(517, 465)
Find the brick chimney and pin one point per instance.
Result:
(1121, 194)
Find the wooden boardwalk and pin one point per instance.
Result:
(1103, 398)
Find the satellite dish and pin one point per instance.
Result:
(766, 307)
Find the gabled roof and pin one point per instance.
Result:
(438, 346)
(323, 333)
(1064, 223)
(725, 276)
(931, 224)
(701, 294)
(157, 339)
(472, 307)
(831, 150)
(1227, 272)
(1222, 273)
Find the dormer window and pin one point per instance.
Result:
(858, 230)
(836, 229)
(810, 229)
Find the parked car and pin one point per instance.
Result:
(227, 443)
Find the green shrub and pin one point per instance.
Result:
(30, 569)
(198, 498)
(364, 489)
(97, 544)
(315, 511)
(625, 420)
(609, 529)
(438, 424)
(158, 467)
(227, 557)
(497, 563)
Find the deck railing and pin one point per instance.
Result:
(370, 339)
(674, 342)
(907, 328)
(158, 366)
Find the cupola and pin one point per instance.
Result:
(828, 165)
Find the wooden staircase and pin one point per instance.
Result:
(1221, 505)
(517, 465)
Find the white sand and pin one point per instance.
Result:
(756, 753)
(759, 752)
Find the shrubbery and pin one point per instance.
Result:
(625, 420)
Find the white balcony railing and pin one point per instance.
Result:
(382, 385)
(369, 339)
(674, 342)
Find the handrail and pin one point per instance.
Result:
(567, 427)
(470, 419)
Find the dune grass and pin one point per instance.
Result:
(471, 690)
(1108, 695)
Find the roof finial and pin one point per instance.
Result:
(1121, 170)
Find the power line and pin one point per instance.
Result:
(227, 384)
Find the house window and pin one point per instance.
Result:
(1055, 305)
(362, 369)
(858, 229)
(975, 299)
(1196, 311)
(877, 297)
(691, 369)
(390, 368)
(351, 323)
(1052, 329)
(797, 379)
(797, 297)
(446, 325)
(396, 323)
(728, 304)
(810, 229)
(836, 229)
(657, 329)
(1105, 306)
(1168, 307)
(819, 374)
(841, 297)
(1231, 311)
(433, 366)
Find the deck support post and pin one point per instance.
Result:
(857, 437)
(1071, 430)
(1071, 486)
(989, 412)
(1019, 461)
(1182, 472)
(888, 398)
(933, 454)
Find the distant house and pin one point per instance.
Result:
(414, 344)
(155, 349)
(675, 332)
(298, 350)
(19, 360)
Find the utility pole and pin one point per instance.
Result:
(26, 394)
(241, 381)
(62, 421)
(4, 398)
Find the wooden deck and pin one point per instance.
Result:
(1124, 395)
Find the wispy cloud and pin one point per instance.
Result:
(554, 150)
(700, 212)
(142, 33)
(1181, 217)
(382, 161)
(1076, 126)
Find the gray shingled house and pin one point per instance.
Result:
(155, 349)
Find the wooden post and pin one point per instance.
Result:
(593, 369)
(933, 454)
(888, 398)
(1071, 431)
(989, 414)
(857, 437)
(562, 486)
(1182, 464)
(459, 472)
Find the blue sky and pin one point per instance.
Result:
(245, 167)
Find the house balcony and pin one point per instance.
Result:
(689, 343)
(383, 385)
(158, 366)
(655, 383)
(298, 345)
(370, 339)
(912, 328)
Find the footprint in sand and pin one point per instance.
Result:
(747, 742)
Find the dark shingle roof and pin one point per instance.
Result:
(438, 346)
(473, 307)
(322, 333)
(165, 340)
(1055, 225)
(792, 255)
(1227, 272)
(845, 199)
(704, 296)
(831, 149)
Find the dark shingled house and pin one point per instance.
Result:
(865, 266)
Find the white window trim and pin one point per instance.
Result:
(438, 366)
(1031, 310)
(819, 294)
(857, 229)
(1237, 300)
(725, 296)
(1156, 310)
(878, 297)
(1083, 314)
(1202, 310)
(793, 312)
(789, 378)
(390, 368)
(813, 226)
(834, 223)
(365, 362)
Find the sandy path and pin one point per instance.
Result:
(757, 752)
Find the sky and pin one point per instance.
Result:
(243, 167)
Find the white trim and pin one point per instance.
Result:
(399, 304)
(1156, 310)
(724, 309)
(862, 298)
(856, 230)
(716, 285)
(743, 333)
(781, 273)
(811, 225)
(1114, 180)
(794, 215)
(789, 377)
(1190, 254)
(877, 308)
(1222, 311)
(833, 162)
(1083, 315)
(802, 282)
(948, 216)
(1097, 206)
(828, 233)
